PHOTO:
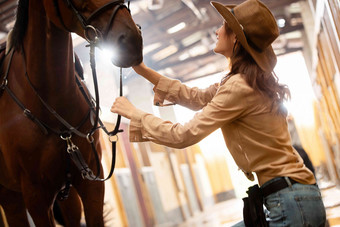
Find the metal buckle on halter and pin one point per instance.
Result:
(28, 113)
(4, 84)
(89, 138)
(71, 147)
(87, 174)
(113, 138)
(88, 29)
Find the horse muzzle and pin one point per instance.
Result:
(128, 51)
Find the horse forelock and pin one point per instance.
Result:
(20, 26)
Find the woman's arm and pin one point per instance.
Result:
(174, 91)
(228, 105)
(148, 73)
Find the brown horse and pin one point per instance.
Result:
(39, 69)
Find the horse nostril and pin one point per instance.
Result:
(122, 39)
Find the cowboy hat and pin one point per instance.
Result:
(255, 28)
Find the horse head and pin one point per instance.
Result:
(106, 22)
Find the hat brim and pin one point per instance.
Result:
(265, 59)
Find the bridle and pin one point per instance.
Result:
(66, 135)
(93, 42)
(86, 22)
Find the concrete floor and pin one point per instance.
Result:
(228, 213)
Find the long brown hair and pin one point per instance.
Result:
(265, 83)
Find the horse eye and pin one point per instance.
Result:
(139, 27)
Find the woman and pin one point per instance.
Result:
(247, 106)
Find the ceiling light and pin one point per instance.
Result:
(164, 53)
(147, 49)
(198, 50)
(191, 39)
(184, 56)
(281, 22)
(176, 28)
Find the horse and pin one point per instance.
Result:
(39, 93)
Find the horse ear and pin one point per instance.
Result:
(16, 36)
(9, 43)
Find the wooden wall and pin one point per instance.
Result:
(157, 185)
(324, 62)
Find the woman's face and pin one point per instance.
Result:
(225, 41)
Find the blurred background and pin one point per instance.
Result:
(201, 185)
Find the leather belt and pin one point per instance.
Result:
(277, 185)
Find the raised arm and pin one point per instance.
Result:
(174, 91)
(148, 73)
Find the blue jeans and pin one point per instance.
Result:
(299, 205)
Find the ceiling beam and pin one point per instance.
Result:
(170, 61)
(271, 4)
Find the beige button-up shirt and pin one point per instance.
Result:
(256, 136)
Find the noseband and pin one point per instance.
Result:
(86, 22)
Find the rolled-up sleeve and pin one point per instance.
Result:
(227, 105)
(177, 93)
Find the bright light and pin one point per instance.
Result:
(184, 56)
(106, 54)
(198, 50)
(164, 53)
(147, 49)
(291, 70)
(176, 28)
(281, 22)
(191, 39)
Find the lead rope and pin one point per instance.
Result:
(92, 44)
(72, 149)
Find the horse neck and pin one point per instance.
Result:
(48, 51)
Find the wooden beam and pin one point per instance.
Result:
(271, 4)
(172, 60)
(150, 37)
(7, 5)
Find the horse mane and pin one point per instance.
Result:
(20, 26)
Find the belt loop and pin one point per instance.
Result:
(288, 181)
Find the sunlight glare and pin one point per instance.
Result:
(291, 70)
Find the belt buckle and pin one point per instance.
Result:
(288, 181)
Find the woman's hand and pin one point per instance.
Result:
(123, 107)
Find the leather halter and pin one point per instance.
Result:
(72, 149)
(86, 23)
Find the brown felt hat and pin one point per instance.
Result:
(255, 28)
